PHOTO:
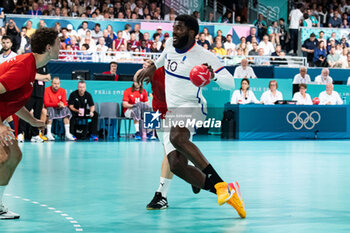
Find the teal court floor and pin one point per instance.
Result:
(288, 186)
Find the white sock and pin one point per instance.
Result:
(137, 127)
(48, 129)
(164, 186)
(2, 190)
(67, 128)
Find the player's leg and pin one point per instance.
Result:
(22, 125)
(50, 137)
(203, 175)
(37, 106)
(10, 156)
(159, 200)
(69, 136)
(137, 130)
(93, 127)
(128, 114)
(43, 117)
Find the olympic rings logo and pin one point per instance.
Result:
(302, 119)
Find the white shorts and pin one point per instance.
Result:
(176, 115)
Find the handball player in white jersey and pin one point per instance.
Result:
(180, 55)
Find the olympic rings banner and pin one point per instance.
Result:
(291, 121)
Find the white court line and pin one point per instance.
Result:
(76, 226)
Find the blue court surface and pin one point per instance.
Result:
(288, 186)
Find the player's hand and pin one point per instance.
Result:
(6, 135)
(47, 79)
(91, 114)
(212, 74)
(146, 74)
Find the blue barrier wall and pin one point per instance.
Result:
(269, 72)
(288, 73)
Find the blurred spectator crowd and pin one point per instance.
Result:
(267, 44)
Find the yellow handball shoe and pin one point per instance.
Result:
(236, 200)
(223, 191)
(42, 136)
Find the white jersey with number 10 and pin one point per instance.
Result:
(179, 90)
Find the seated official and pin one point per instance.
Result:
(329, 96)
(302, 77)
(83, 108)
(272, 95)
(135, 103)
(302, 97)
(113, 66)
(244, 71)
(55, 101)
(244, 95)
(324, 77)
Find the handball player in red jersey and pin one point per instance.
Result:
(17, 77)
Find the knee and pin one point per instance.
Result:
(175, 163)
(178, 137)
(16, 155)
(3, 159)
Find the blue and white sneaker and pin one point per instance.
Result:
(137, 136)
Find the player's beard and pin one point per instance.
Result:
(6, 49)
(181, 42)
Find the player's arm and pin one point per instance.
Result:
(6, 135)
(127, 105)
(43, 77)
(150, 67)
(220, 74)
(14, 78)
(25, 115)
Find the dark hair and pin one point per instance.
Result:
(56, 77)
(86, 46)
(98, 25)
(190, 22)
(133, 88)
(281, 19)
(127, 26)
(302, 85)
(41, 38)
(84, 22)
(112, 62)
(155, 35)
(5, 37)
(82, 82)
(247, 80)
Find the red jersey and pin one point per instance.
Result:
(134, 44)
(158, 89)
(134, 97)
(118, 43)
(149, 44)
(17, 75)
(51, 98)
(109, 72)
